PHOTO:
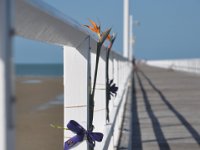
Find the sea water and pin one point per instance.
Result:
(39, 69)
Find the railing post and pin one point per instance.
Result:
(112, 104)
(116, 101)
(6, 77)
(111, 76)
(76, 86)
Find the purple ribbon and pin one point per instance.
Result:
(80, 134)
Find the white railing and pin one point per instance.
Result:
(40, 22)
(186, 65)
(77, 84)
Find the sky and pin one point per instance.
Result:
(169, 29)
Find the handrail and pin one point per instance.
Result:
(37, 21)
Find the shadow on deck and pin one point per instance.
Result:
(162, 111)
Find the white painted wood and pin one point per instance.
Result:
(38, 21)
(76, 89)
(119, 118)
(116, 79)
(120, 77)
(74, 59)
(111, 67)
(6, 77)
(111, 76)
(71, 89)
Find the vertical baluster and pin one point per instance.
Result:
(116, 102)
(76, 86)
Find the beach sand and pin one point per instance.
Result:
(39, 103)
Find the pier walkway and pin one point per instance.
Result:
(162, 111)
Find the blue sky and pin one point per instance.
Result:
(169, 29)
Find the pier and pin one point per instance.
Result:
(163, 112)
(154, 108)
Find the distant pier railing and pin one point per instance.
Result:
(186, 65)
(38, 21)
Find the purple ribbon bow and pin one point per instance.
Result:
(80, 134)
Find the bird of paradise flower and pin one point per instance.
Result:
(102, 36)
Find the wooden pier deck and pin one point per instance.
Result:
(162, 111)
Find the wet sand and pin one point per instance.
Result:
(33, 131)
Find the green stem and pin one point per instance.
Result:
(91, 102)
(107, 85)
(96, 68)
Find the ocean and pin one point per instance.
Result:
(39, 69)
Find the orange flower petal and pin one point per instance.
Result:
(109, 37)
(93, 23)
(95, 28)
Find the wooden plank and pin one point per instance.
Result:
(164, 111)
